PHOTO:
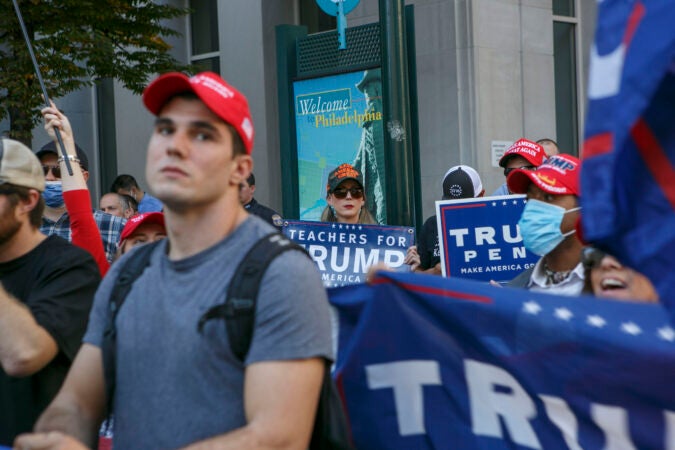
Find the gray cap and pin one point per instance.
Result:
(19, 166)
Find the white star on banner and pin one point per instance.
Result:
(360, 227)
(333, 226)
(515, 202)
(494, 203)
(596, 321)
(531, 307)
(504, 203)
(667, 334)
(340, 226)
(630, 328)
(563, 313)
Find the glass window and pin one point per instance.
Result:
(204, 26)
(565, 68)
(211, 64)
(563, 8)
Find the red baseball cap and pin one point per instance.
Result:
(529, 150)
(224, 100)
(559, 175)
(141, 219)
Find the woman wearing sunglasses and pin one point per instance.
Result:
(606, 277)
(345, 197)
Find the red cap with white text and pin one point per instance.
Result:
(527, 149)
(141, 219)
(224, 100)
(559, 175)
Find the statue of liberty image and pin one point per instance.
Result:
(370, 157)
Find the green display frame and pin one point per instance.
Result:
(305, 57)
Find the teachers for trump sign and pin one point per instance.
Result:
(344, 252)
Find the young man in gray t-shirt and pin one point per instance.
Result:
(176, 387)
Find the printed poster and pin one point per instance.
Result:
(338, 119)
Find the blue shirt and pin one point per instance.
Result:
(502, 190)
(149, 204)
(108, 225)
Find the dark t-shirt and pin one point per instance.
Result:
(267, 214)
(427, 244)
(57, 282)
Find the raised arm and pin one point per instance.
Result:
(85, 233)
(74, 416)
(280, 399)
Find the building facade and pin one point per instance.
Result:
(488, 72)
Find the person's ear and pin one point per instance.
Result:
(243, 166)
(29, 204)
(482, 193)
(85, 175)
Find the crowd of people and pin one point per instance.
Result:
(173, 367)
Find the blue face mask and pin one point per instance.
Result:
(53, 194)
(540, 226)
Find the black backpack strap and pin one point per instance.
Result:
(131, 270)
(331, 429)
(242, 293)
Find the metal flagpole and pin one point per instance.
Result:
(42, 84)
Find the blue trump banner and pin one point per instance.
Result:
(344, 252)
(480, 239)
(428, 362)
(628, 194)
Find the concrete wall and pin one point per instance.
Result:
(485, 72)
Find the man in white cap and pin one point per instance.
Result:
(459, 182)
(178, 382)
(46, 290)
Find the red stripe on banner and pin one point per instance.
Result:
(446, 246)
(434, 291)
(343, 398)
(472, 205)
(636, 16)
(598, 145)
(656, 159)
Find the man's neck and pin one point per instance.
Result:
(25, 240)
(54, 214)
(565, 256)
(196, 229)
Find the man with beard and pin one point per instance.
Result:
(46, 290)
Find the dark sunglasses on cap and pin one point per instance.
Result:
(591, 257)
(341, 193)
(56, 170)
(508, 170)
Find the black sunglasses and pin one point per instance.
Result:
(56, 170)
(341, 193)
(508, 170)
(591, 257)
